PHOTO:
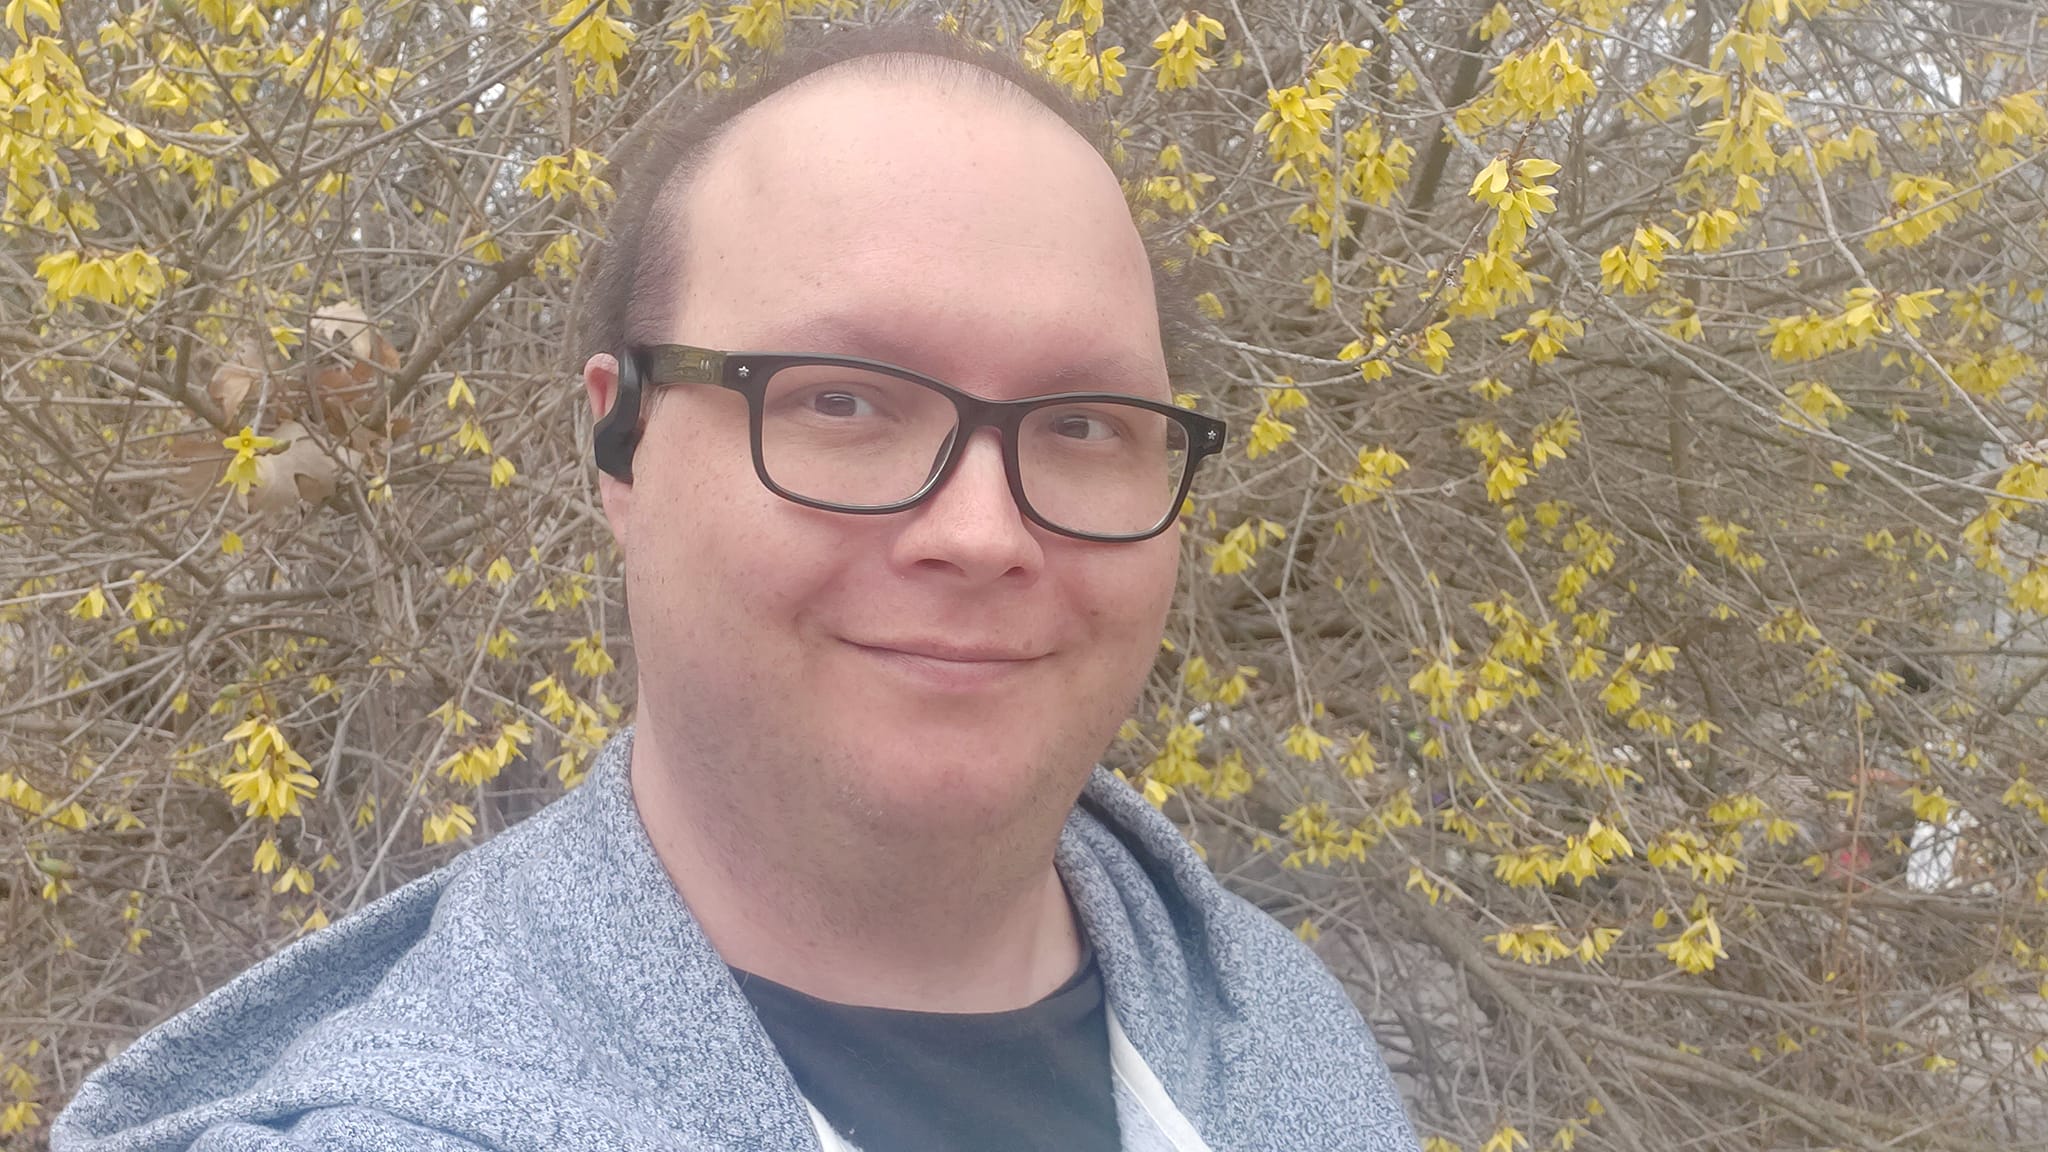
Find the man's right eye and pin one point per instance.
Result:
(841, 404)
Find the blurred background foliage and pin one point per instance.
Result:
(1614, 640)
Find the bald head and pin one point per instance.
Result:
(905, 193)
(846, 81)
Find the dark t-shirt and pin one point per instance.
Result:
(1036, 1079)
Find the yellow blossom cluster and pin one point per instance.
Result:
(270, 777)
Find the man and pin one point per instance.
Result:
(834, 889)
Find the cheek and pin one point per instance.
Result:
(721, 562)
(1127, 597)
(734, 566)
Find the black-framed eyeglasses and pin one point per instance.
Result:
(845, 434)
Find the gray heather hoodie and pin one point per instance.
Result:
(549, 990)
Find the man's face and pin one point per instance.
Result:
(953, 666)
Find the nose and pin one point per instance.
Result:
(971, 525)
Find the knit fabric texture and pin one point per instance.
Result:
(549, 990)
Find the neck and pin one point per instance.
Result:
(975, 924)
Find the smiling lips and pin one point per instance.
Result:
(951, 667)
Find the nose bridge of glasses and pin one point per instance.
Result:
(975, 419)
(961, 454)
(972, 416)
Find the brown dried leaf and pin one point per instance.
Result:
(301, 472)
(369, 438)
(346, 323)
(343, 395)
(230, 386)
(203, 461)
(239, 374)
(382, 354)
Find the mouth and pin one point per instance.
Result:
(950, 667)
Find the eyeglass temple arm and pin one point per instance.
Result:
(618, 432)
(682, 364)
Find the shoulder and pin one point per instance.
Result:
(404, 974)
(1130, 837)
(1243, 1022)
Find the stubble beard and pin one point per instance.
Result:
(862, 852)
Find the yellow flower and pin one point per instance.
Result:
(1113, 69)
(1698, 946)
(1305, 743)
(601, 40)
(1087, 12)
(1085, 73)
(90, 606)
(473, 439)
(1507, 475)
(273, 777)
(1183, 50)
(17, 22)
(241, 471)
(1294, 124)
(591, 659)
(1234, 689)
(1596, 943)
(132, 277)
(144, 601)
(1239, 547)
(1373, 476)
(20, 1116)
(452, 717)
(1505, 1139)
(1267, 435)
(294, 877)
(247, 442)
(1638, 267)
(1546, 81)
(456, 822)
(1530, 944)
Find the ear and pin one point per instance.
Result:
(601, 388)
(601, 383)
(617, 431)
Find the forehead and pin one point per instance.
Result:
(926, 217)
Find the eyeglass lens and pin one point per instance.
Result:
(861, 439)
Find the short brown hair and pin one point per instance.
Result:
(639, 266)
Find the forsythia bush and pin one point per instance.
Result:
(1616, 637)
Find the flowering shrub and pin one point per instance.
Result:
(1614, 637)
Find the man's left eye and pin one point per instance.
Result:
(1078, 427)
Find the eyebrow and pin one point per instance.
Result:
(841, 335)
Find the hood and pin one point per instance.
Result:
(550, 990)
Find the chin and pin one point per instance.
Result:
(955, 785)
